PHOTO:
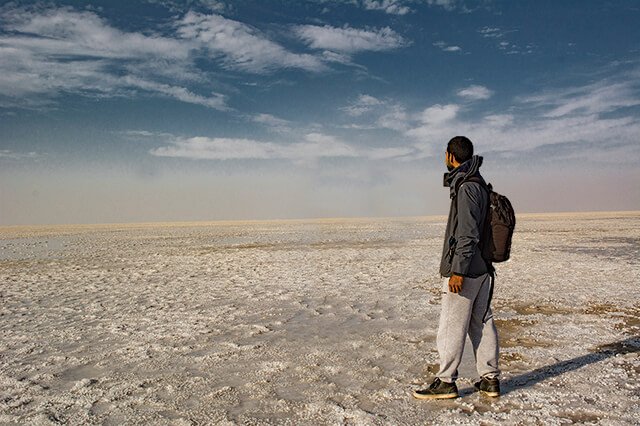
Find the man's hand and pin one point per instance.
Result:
(455, 283)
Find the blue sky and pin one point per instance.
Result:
(116, 111)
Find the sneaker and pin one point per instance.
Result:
(437, 390)
(488, 386)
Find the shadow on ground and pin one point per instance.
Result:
(538, 375)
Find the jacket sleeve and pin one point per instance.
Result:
(470, 216)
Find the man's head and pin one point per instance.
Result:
(459, 150)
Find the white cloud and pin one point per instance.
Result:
(380, 114)
(506, 46)
(475, 93)
(581, 121)
(445, 4)
(499, 120)
(570, 116)
(13, 155)
(434, 125)
(216, 101)
(240, 46)
(181, 6)
(146, 135)
(403, 7)
(272, 122)
(447, 48)
(368, 100)
(139, 133)
(596, 98)
(362, 105)
(214, 5)
(395, 118)
(391, 7)
(438, 114)
(391, 152)
(313, 146)
(491, 32)
(341, 58)
(67, 32)
(46, 52)
(502, 133)
(320, 145)
(354, 126)
(216, 148)
(349, 40)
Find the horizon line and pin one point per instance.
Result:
(304, 219)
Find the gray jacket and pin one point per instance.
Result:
(461, 254)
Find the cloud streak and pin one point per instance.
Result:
(596, 98)
(272, 122)
(349, 40)
(391, 7)
(47, 52)
(362, 105)
(13, 155)
(498, 35)
(475, 93)
(491, 32)
(313, 146)
(446, 47)
(388, 115)
(449, 5)
(240, 46)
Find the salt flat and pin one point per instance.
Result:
(309, 322)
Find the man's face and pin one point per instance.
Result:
(448, 160)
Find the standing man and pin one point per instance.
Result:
(468, 287)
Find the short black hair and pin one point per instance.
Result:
(461, 148)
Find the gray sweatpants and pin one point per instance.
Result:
(463, 313)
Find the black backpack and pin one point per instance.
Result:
(498, 227)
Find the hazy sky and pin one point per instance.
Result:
(119, 111)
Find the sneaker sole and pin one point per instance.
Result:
(435, 396)
(491, 394)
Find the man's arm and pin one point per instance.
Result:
(467, 235)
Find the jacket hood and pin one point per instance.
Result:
(469, 168)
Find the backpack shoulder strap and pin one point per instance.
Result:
(487, 224)
(476, 179)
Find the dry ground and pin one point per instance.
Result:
(309, 322)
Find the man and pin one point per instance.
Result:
(467, 289)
